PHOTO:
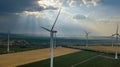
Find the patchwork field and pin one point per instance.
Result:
(79, 59)
(64, 57)
(63, 61)
(20, 58)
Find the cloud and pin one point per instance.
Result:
(78, 3)
(110, 20)
(8, 6)
(91, 2)
(96, 2)
(48, 4)
(18, 6)
(64, 3)
(51, 8)
(79, 17)
(75, 3)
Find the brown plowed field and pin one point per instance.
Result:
(108, 49)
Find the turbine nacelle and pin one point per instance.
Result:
(53, 31)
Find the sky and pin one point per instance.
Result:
(99, 17)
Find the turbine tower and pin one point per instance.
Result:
(52, 32)
(116, 35)
(112, 39)
(55, 45)
(87, 34)
(8, 45)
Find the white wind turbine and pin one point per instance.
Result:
(87, 34)
(8, 45)
(55, 45)
(52, 39)
(112, 39)
(116, 35)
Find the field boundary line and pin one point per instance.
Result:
(84, 61)
(107, 57)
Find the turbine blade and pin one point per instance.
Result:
(45, 28)
(56, 19)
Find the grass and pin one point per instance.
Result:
(63, 61)
(101, 62)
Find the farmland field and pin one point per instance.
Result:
(64, 61)
(101, 62)
(20, 58)
(106, 49)
(79, 59)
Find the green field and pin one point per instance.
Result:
(100, 62)
(78, 59)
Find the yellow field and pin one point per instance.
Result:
(107, 49)
(15, 59)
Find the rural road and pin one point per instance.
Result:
(20, 58)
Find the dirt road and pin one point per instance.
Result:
(15, 59)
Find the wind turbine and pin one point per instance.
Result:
(116, 35)
(8, 45)
(112, 39)
(87, 34)
(52, 39)
(55, 45)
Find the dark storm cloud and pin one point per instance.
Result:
(18, 6)
(10, 18)
(7, 6)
